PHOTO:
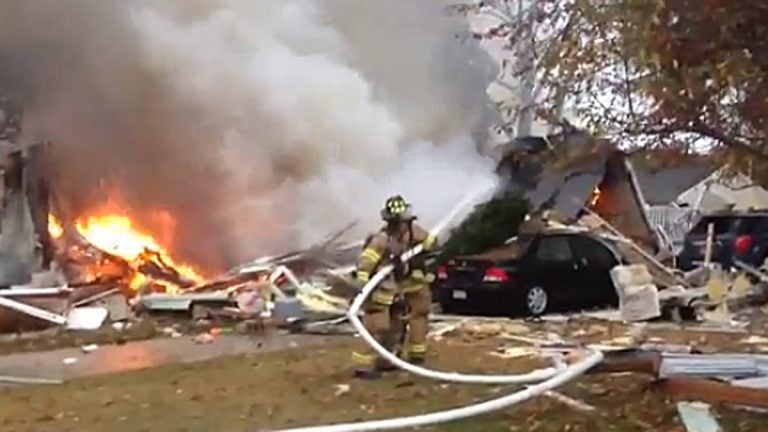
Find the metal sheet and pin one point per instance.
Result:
(159, 302)
(715, 365)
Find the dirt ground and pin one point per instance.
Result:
(299, 387)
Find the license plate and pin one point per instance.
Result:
(459, 295)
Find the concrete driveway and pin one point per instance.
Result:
(142, 355)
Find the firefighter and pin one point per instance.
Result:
(409, 280)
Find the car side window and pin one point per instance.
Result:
(722, 225)
(750, 225)
(595, 253)
(554, 249)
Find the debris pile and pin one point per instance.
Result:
(104, 264)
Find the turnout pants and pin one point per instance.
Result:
(389, 325)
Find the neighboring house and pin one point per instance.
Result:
(676, 197)
(722, 190)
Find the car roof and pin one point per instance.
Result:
(741, 214)
(516, 250)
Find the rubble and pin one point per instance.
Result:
(204, 338)
(638, 296)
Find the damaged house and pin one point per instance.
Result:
(26, 247)
(578, 176)
(662, 190)
(576, 179)
(25, 244)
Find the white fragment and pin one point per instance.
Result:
(341, 389)
(89, 348)
(86, 318)
(571, 402)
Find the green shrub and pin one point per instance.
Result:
(488, 226)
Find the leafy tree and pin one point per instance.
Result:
(687, 74)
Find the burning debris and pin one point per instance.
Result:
(111, 248)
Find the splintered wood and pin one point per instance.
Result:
(631, 251)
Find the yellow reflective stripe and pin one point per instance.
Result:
(363, 276)
(418, 274)
(363, 359)
(412, 288)
(371, 255)
(430, 242)
(417, 348)
(383, 298)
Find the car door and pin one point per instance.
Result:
(594, 261)
(552, 266)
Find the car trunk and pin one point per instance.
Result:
(472, 270)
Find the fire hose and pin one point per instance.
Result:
(554, 376)
(561, 378)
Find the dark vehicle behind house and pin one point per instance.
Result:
(553, 271)
(737, 236)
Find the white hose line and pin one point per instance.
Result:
(566, 375)
(533, 376)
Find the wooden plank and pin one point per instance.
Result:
(714, 392)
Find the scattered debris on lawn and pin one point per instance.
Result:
(27, 380)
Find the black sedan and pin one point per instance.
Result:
(551, 271)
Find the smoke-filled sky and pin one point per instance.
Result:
(260, 125)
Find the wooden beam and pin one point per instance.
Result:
(713, 392)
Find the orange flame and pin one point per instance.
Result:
(55, 229)
(117, 235)
(595, 196)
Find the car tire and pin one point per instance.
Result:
(536, 300)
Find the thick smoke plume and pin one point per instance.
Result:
(258, 125)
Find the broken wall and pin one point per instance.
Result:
(621, 206)
(17, 232)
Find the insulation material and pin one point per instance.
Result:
(638, 296)
(631, 275)
(640, 303)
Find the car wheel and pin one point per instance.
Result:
(536, 300)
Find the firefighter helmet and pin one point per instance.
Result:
(396, 209)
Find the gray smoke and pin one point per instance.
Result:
(258, 124)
